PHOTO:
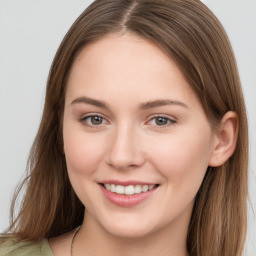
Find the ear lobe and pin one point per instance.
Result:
(225, 139)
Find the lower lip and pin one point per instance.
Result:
(124, 200)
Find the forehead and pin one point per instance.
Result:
(124, 66)
(117, 52)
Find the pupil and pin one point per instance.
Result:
(161, 121)
(96, 120)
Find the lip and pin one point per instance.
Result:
(126, 200)
(126, 183)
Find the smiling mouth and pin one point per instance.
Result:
(128, 190)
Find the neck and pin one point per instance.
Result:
(92, 239)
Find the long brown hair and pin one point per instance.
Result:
(192, 36)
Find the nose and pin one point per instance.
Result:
(125, 149)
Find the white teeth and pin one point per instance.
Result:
(137, 189)
(119, 189)
(108, 186)
(150, 187)
(145, 188)
(112, 188)
(128, 190)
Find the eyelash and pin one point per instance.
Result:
(84, 120)
(169, 120)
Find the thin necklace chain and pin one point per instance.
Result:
(72, 242)
(73, 239)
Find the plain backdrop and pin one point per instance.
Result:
(30, 32)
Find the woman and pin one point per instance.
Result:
(142, 147)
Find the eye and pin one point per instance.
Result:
(93, 120)
(161, 121)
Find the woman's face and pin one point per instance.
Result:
(133, 125)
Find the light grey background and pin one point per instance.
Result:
(30, 32)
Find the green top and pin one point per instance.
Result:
(13, 247)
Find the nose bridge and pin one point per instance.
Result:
(125, 148)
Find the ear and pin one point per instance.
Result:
(225, 139)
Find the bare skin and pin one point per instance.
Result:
(131, 115)
(61, 245)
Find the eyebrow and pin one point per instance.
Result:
(94, 102)
(159, 103)
(143, 106)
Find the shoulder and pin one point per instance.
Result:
(13, 246)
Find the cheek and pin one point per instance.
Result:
(83, 153)
(183, 158)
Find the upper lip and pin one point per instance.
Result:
(126, 183)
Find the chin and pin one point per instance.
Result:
(129, 229)
(130, 232)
